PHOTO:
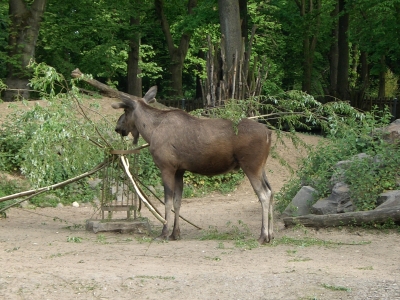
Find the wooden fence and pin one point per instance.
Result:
(369, 103)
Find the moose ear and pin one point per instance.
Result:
(151, 94)
(118, 105)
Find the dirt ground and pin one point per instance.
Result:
(46, 253)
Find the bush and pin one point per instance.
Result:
(367, 180)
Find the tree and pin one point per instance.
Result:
(134, 81)
(23, 34)
(177, 53)
(231, 31)
(343, 52)
(311, 15)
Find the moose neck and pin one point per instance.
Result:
(147, 119)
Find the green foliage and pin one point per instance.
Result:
(367, 179)
(8, 187)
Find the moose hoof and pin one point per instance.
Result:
(162, 238)
(173, 237)
(265, 239)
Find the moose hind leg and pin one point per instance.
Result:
(176, 232)
(271, 207)
(264, 193)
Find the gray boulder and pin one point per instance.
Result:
(301, 203)
(388, 199)
(337, 202)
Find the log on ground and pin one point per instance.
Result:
(377, 216)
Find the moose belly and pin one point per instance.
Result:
(210, 165)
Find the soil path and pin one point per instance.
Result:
(47, 254)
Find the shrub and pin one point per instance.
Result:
(367, 180)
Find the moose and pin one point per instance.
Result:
(181, 142)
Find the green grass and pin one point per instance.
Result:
(74, 239)
(336, 287)
(240, 234)
(308, 242)
(155, 277)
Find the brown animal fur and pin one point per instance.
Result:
(180, 142)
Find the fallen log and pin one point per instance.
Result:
(377, 216)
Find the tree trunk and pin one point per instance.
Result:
(351, 218)
(177, 54)
(309, 39)
(364, 74)
(23, 34)
(229, 17)
(134, 85)
(382, 79)
(343, 53)
(244, 21)
(333, 55)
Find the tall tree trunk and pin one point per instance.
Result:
(333, 54)
(244, 21)
(343, 51)
(177, 54)
(309, 39)
(229, 18)
(23, 34)
(364, 74)
(382, 79)
(134, 86)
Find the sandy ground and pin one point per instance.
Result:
(46, 253)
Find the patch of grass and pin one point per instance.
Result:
(300, 259)
(56, 255)
(144, 239)
(366, 268)
(155, 277)
(13, 249)
(240, 234)
(74, 239)
(216, 258)
(389, 224)
(308, 241)
(101, 239)
(335, 287)
(291, 252)
(74, 226)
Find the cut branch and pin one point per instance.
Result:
(57, 185)
(141, 195)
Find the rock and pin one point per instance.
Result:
(60, 205)
(75, 204)
(300, 204)
(388, 199)
(324, 207)
(337, 202)
(26, 204)
(341, 195)
(341, 166)
(94, 182)
(391, 133)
